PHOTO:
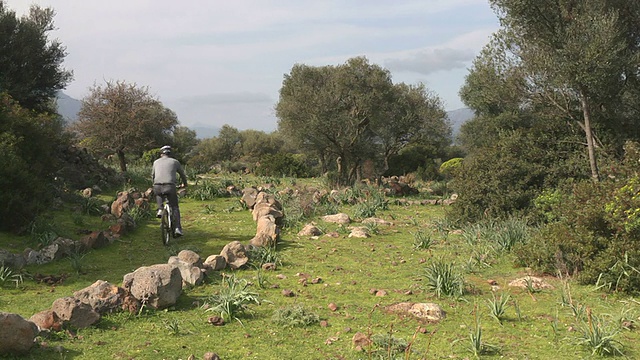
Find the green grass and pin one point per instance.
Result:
(349, 268)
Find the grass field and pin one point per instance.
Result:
(567, 321)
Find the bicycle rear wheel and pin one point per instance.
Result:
(166, 225)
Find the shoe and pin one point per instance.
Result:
(178, 232)
(159, 213)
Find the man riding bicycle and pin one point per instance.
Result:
(164, 183)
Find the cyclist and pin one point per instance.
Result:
(164, 183)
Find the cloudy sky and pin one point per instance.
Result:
(218, 62)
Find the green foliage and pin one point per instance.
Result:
(281, 164)
(503, 178)
(477, 345)
(294, 316)
(208, 190)
(599, 337)
(388, 347)
(498, 306)
(42, 232)
(29, 143)
(597, 242)
(31, 62)
(444, 280)
(352, 113)
(259, 255)
(422, 240)
(91, 205)
(123, 118)
(448, 167)
(9, 276)
(233, 298)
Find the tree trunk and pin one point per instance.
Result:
(123, 161)
(586, 113)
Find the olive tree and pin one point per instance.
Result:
(120, 118)
(31, 70)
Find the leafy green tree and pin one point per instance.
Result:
(353, 113)
(577, 55)
(30, 145)
(183, 142)
(31, 69)
(123, 118)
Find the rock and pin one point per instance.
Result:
(340, 218)
(428, 311)
(359, 232)
(191, 275)
(77, 313)
(11, 260)
(95, 240)
(215, 262)
(378, 221)
(210, 356)
(102, 296)
(17, 335)
(267, 232)
(123, 202)
(531, 281)
(157, 286)
(310, 230)
(190, 257)
(47, 320)
(360, 341)
(235, 254)
(249, 197)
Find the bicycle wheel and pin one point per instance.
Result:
(166, 225)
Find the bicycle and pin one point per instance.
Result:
(167, 225)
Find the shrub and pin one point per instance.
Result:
(294, 316)
(597, 242)
(281, 164)
(448, 167)
(443, 279)
(233, 298)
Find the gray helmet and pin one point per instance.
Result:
(165, 149)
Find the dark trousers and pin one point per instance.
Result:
(168, 191)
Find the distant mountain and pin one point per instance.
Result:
(205, 132)
(68, 107)
(459, 117)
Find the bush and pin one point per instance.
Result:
(30, 144)
(593, 241)
(281, 164)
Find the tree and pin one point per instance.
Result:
(183, 141)
(123, 118)
(31, 69)
(577, 55)
(30, 145)
(353, 113)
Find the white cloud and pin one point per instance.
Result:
(223, 61)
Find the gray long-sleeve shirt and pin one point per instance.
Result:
(165, 169)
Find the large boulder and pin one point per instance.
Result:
(157, 286)
(190, 273)
(102, 296)
(249, 197)
(17, 335)
(75, 312)
(235, 254)
(267, 232)
(123, 202)
(215, 263)
(11, 260)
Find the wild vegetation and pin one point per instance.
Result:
(544, 177)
